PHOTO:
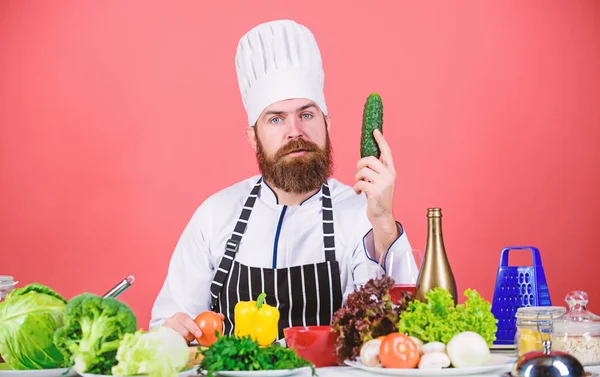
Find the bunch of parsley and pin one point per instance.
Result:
(231, 353)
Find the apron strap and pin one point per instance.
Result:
(232, 245)
(328, 236)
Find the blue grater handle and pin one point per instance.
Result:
(535, 255)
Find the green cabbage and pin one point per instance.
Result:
(162, 352)
(28, 318)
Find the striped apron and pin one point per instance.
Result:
(305, 295)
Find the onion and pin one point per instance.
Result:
(468, 349)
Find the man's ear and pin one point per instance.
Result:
(251, 136)
(328, 122)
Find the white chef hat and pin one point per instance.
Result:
(278, 60)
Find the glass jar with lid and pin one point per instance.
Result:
(534, 325)
(7, 284)
(577, 332)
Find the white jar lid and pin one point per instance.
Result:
(578, 321)
(539, 312)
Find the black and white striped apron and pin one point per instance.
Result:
(305, 295)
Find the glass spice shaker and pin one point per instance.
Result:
(577, 332)
(534, 325)
(7, 284)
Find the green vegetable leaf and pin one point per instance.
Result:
(232, 353)
(28, 318)
(475, 315)
(438, 320)
(38, 288)
(440, 302)
(161, 352)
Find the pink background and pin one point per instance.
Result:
(117, 118)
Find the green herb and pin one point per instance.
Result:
(231, 353)
(438, 320)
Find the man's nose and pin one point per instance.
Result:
(295, 129)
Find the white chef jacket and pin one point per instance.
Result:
(276, 236)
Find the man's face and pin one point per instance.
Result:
(292, 146)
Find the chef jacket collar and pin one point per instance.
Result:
(268, 196)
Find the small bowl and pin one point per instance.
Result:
(314, 343)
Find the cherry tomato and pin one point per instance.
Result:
(398, 351)
(208, 322)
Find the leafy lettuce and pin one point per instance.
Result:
(161, 352)
(438, 320)
(28, 318)
(367, 314)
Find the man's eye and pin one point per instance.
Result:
(275, 120)
(306, 116)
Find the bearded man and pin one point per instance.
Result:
(292, 232)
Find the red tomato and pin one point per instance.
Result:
(398, 351)
(208, 323)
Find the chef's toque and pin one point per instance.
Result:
(278, 60)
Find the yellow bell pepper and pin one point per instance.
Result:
(257, 319)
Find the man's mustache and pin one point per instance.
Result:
(295, 146)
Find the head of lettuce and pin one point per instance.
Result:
(28, 318)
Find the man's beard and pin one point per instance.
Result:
(296, 174)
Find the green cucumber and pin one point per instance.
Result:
(372, 119)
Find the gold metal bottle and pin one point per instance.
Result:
(436, 270)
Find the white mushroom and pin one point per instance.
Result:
(419, 344)
(434, 347)
(434, 360)
(369, 353)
